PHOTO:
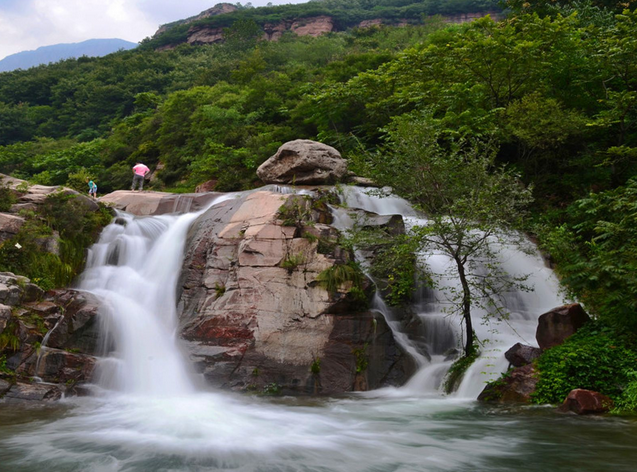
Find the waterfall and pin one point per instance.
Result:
(133, 269)
(443, 331)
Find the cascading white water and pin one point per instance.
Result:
(443, 332)
(156, 421)
(133, 269)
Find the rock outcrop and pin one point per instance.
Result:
(521, 354)
(255, 315)
(558, 324)
(586, 402)
(52, 336)
(156, 203)
(303, 162)
(314, 26)
(515, 387)
(219, 9)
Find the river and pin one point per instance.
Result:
(148, 412)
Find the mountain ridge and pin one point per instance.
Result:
(57, 52)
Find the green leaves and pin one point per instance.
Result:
(595, 358)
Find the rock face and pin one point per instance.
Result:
(219, 9)
(205, 35)
(68, 321)
(156, 203)
(586, 402)
(469, 17)
(516, 387)
(314, 26)
(256, 318)
(9, 225)
(560, 323)
(303, 162)
(520, 354)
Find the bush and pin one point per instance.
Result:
(595, 358)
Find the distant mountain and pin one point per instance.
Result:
(56, 52)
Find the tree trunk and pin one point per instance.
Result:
(466, 308)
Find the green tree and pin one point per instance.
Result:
(469, 203)
(596, 253)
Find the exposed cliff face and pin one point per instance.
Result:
(255, 316)
(312, 26)
(219, 9)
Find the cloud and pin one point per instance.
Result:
(29, 24)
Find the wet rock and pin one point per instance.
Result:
(4, 387)
(21, 392)
(514, 387)
(558, 324)
(521, 354)
(393, 225)
(303, 162)
(64, 367)
(586, 402)
(32, 293)
(79, 328)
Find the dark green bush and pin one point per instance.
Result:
(595, 358)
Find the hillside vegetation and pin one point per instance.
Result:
(553, 88)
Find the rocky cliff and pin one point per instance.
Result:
(202, 33)
(255, 312)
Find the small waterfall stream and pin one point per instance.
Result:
(442, 331)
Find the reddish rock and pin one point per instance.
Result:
(586, 402)
(314, 26)
(516, 387)
(558, 324)
(64, 367)
(205, 35)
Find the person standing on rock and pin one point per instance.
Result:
(92, 188)
(139, 171)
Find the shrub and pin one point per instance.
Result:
(595, 358)
(333, 277)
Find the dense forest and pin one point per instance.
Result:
(552, 88)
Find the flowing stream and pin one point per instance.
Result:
(149, 413)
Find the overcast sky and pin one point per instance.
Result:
(28, 24)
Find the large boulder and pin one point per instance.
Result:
(255, 317)
(586, 402)
(303, 162)
(515, 387)
(521, 354)
(558, 324)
